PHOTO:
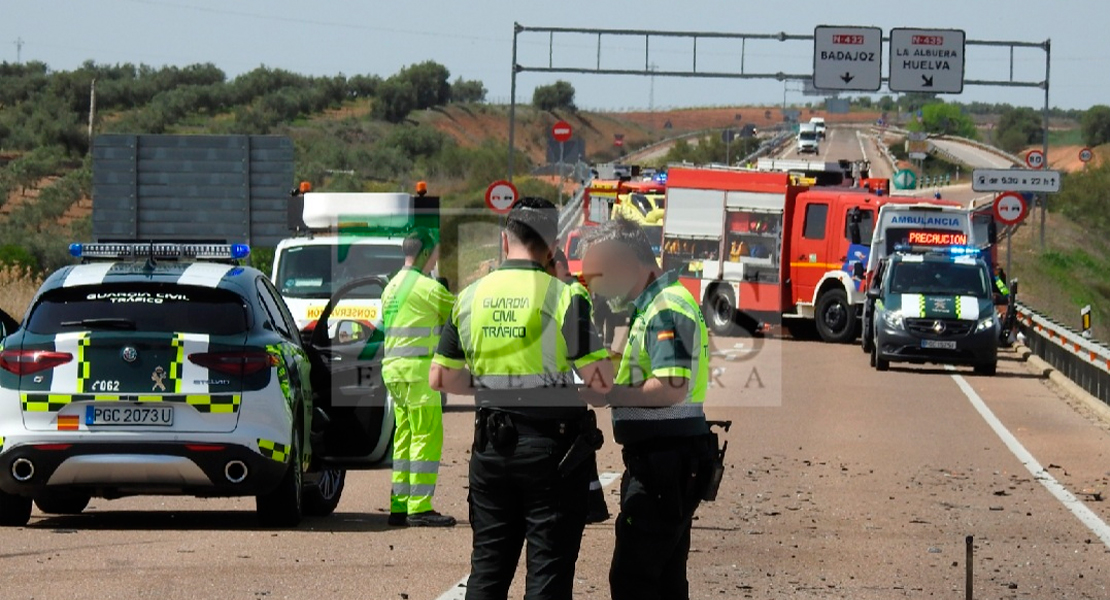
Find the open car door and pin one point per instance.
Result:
(8, 325)
(356, 427)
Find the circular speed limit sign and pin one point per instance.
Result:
(1034, 159)
(1086, 155)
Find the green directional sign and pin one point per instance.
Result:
(905, 180)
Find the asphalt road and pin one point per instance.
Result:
(844, 143)
(842, 483)
(972, 156)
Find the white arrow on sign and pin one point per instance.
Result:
(1015, 180)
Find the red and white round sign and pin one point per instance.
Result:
(1086, 155)
(1010, 208)
(1034, 159)
(501, 196)
(561, 131)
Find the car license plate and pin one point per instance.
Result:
(939, 344)
(129, 415)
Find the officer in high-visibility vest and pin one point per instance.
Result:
(512, 341)
(656, 403)
(415, 308)
(599, 512)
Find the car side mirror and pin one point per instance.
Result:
(874, 294)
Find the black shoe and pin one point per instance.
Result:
(599, 512)
(431, 519)
(398, 519)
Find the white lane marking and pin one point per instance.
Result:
(458, 591)
(1054, 487)
(829, 135)
(862, 149)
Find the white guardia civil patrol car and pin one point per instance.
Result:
(171, 369)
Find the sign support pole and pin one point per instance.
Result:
(1044, 140)
(561, 146)
(1009, 245)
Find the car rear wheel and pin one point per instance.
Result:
(62, 503)
(15, 511)
(988, 369)
(283, 506)
(322, 492)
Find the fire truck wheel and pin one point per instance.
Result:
(836, 318)
(720, 311)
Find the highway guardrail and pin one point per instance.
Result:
(1084, 361)
(571, 214)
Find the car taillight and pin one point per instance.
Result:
(25, 362)
(235, 363)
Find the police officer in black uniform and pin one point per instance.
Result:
(512, 340)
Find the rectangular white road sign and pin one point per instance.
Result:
(927, 60)
(1015, 180)
(848, 58)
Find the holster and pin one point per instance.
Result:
(589, 441)
(501, 431)
(711, 471)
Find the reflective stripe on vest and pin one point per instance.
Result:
(509, 326)
(411, 330)
(636, 362)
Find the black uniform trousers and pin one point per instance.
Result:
(659, 493)
(517, 495)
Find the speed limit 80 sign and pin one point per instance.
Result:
(1034, 159)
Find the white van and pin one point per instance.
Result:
(819, 123)
(807, 138)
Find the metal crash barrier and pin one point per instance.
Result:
(1084, 361)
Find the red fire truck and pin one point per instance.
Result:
(753, 246)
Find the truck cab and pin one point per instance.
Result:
(935, 305)
(338, 237)
(819, 124)
(808, 139)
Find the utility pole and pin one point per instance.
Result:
(651, 95)
(92, 109)
(18, 51)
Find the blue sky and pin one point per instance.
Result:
(474, 40)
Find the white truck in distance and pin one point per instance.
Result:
(808, 138)
(819, 123)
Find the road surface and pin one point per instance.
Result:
(844, 143)
(973, 156)
(842, 482)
